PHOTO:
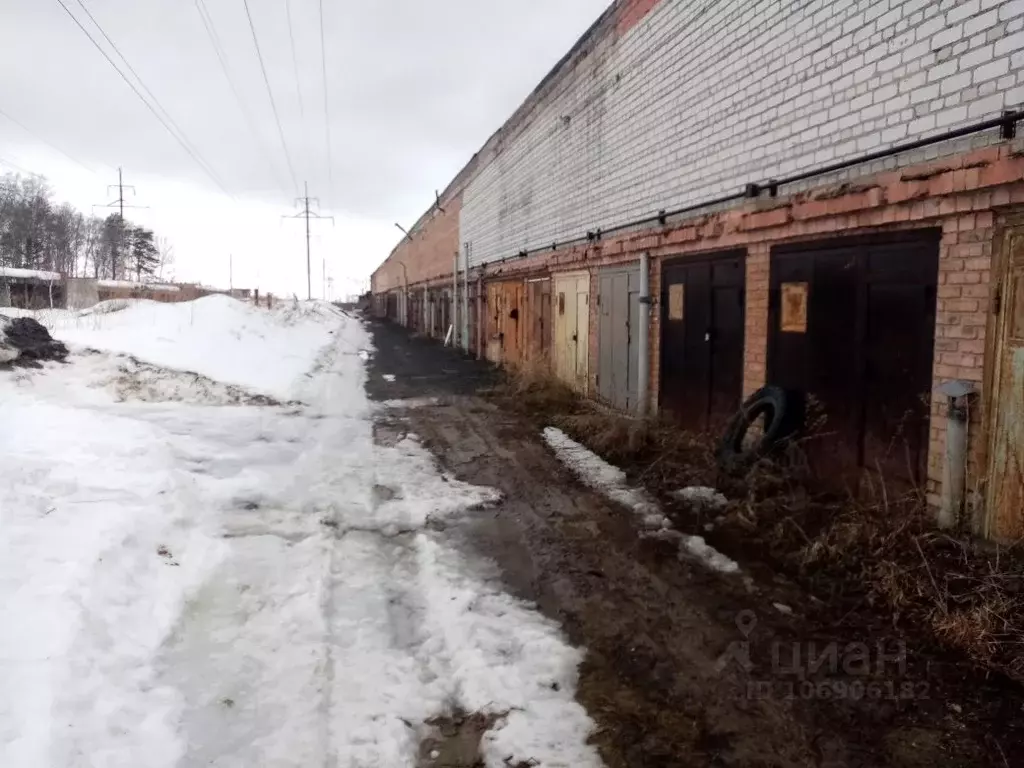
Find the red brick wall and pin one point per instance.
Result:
(428, 255)
(631, 13)
(963, 195)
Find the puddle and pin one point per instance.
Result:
(453, 741)
(388, 434)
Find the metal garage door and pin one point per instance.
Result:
(504, 326)
(852, 323)
(572, 328)
(702, 311)
(537, 323)
(618, 308)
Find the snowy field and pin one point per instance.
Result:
(207, 560)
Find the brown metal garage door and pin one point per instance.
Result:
(702, 339)
(852, 323)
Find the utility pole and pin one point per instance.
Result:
(231, 272)
(119, 203)
(307, 214)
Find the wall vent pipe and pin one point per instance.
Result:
(643, 342)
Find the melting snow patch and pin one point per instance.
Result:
(611, 482)
(410, 402)
(701, 497)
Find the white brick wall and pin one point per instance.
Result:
(701, 98)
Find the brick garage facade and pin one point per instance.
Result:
(669, 104)
(426, 254)
(964, 195)
(665, 105)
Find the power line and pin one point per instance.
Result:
(327, 110)
(298, 81)
(218, 49)
(184, 138)
(40, 139)
(295, 57)
(270, 93)
(142, 83)
(184, 145)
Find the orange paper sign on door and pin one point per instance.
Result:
(794, 308)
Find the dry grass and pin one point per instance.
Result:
(967, 594)
(877, 545)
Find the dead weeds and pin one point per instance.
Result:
(880, 549)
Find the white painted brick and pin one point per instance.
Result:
(955, 83)
(745, 90)
(1012, 42)
(927, 29)
(962, 9)
(951, 116)
(947, 36)
(895, 134)
(890, 62)
(992, 70)
(921, 125)
(990, 106)
(980, 23)
(976, 57)
(1012, 9)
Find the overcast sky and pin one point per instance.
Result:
(414, 89)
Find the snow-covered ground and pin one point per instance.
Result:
(190, 576)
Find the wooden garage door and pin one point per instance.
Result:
(702, 339)
(852, 323)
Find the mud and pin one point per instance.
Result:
(684, 667)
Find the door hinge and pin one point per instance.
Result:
(599, 299)
(997, 299)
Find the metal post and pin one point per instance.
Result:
(309, 268)
(642, 345)
(456, 328)
(480, 317)
(954, 470)
(465, 297)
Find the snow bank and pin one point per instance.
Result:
(611, 482)
(34, 274)
(132, 285)
(216, 336)
(87, 504)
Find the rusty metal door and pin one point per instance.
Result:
(702, 311)
(617, 358)
(572, 328)
(1005, 502)
(852, 323)
(504, 328)
(537, 323)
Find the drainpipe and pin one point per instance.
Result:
(403, 309)
(455, 301)
(954, 469)
(479, 317)
(465, 299)
(642, 343)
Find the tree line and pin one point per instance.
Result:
(38, 233)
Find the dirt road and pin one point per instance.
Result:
(684, 666)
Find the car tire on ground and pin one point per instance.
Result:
(783, 412)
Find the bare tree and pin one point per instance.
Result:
(166, 250)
